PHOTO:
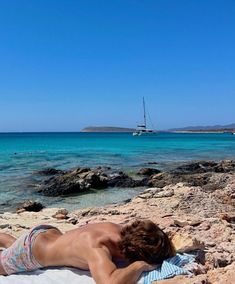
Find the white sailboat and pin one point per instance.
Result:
(142, 128)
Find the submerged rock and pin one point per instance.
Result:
(148, 171)
(49, 171)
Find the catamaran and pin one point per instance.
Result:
(142, 128)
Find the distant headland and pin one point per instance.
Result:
(187, 129)
(106, 129)
(201, 129)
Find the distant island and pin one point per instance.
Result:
(214, 128)
(187, 129)
(106, 129)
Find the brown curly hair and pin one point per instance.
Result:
(144, 240)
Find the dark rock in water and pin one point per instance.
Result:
(63, 185)
(196, 179)
(152, 163)
(195, 174)
(103, 168)
(31, 205)
(206, 166)
(197, 167)
(225, 166)
(49, 171)
(127, 200)
(96, 180)
(120, 179)
(82, 179)
(164, 179)
(75, 181)
(148, 171)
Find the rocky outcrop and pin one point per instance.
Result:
(198, 218)
(78, 180)
(83, 179)
(206, 166)
(196, 174)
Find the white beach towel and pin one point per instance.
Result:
(170, 268)
(52, 276)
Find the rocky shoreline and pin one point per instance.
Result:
(194, 203)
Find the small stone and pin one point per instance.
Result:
(222, 259)
(164, 193)
(62, 211)
(194, 222)
(3, 226)
(45, 218)
(20, 210)
(210, 244)
(60, 216)
(181, 223)
(145, 195)
(204, 226)
(73, 221)
(31, 205)
(186, 243)
(229, 217)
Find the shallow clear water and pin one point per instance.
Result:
(21, 154)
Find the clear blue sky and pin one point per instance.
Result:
(67, 64)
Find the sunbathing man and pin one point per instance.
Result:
(94, 246)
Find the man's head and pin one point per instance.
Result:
(144, 240)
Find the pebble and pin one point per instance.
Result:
(3, 226)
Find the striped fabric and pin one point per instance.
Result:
(170, 267)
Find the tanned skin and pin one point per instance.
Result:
(91, 247)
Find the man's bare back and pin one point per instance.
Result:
(74, 247)
(93, 247)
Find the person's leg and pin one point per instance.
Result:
(2, 271)
(6, 240)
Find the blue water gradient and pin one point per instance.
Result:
(21, 154)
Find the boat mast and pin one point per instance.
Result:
(144, 113)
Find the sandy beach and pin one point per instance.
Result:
(194, 204)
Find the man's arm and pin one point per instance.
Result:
(104, 271)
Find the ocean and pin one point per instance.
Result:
(23, 154)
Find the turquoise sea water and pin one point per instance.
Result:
(22, 154)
